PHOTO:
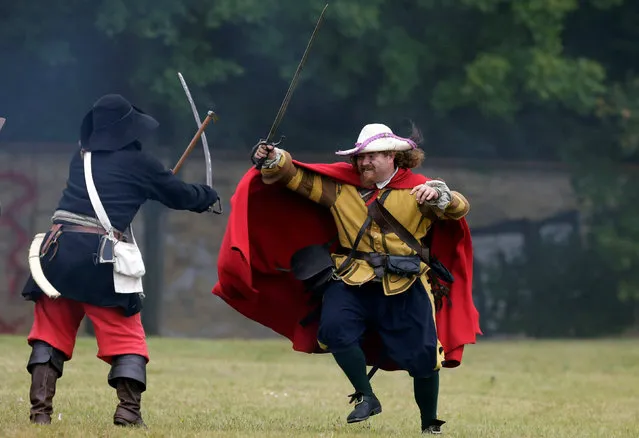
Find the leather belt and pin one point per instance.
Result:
(370, 257)
(91, 230)
(377, 260)
(85, 229)
(57, 229)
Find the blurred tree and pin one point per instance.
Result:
(555, 289)
(605, 155)
(526, 80)
(479, 75)
(606, 177)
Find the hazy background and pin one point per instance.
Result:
(529, 107)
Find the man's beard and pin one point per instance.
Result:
(367, 179)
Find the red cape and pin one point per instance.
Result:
(268, 223)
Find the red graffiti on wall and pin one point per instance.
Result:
(25, 194)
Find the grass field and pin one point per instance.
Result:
(262, 388)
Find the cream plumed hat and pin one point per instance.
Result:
(376, 137)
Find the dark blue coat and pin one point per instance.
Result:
(124, 179)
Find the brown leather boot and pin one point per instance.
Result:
(128, 412)
(45, 366)
(128, 377)
(43, 382)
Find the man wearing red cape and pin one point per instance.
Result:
(356, 289)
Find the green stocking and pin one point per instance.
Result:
(426, 395)
(353, 363)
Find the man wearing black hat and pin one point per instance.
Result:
(89, 259)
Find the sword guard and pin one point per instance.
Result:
(259, 163)
(218, 210)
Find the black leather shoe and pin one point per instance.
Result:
(434, 428)
(365, 406)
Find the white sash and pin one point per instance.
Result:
(128, 265)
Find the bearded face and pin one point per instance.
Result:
(374, 167)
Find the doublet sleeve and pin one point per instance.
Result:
(160, 184)
(456, 209)
(311, 185)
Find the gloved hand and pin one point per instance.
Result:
(263, 151)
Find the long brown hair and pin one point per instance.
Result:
(413, 157)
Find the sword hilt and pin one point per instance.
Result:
(260, 162)
(219, 210)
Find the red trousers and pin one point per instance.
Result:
(56, 322)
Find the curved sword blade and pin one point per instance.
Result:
(205, 143)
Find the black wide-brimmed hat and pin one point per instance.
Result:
(113, 123)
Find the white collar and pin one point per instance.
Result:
(381, 185)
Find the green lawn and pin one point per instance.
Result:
(263, 388)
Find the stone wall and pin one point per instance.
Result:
(33, 176)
